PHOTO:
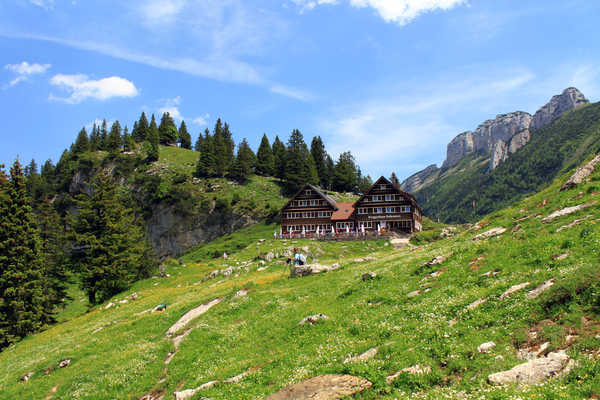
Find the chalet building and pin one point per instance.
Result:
(383, 208)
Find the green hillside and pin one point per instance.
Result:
(413, 313)
(552, 150)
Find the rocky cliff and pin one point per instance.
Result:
(416, 181)
(502, 136)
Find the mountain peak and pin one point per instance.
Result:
(570, 98)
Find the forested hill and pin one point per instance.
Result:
(470, 190)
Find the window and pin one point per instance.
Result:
(308, 192)
(377, 198)
(389, 210)
(389, 197)
(362, 210)
(314, 202)
(405, 209)
(378, 210)
(382, 187)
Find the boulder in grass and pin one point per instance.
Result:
(581, 174)
(414, 370)
(313, 319)
(486, 347)
(64, 363)
(323, 387)
(26, 376)
(533, 371)
(491, 233)
(513, 289)
(369, 276)
(567, 211)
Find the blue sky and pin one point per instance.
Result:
(390, 80)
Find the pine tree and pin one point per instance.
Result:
(299, 167)
(229, 146)
(21, 292)
(345, 175)
(167, 130)
(82, 143)
(114, 141)
(243, 165)
(319, 155)
(185, 139)
(279, 158)
(52, 245)
(128, 141)
(48, 178)
(152, 148)
(198, 144)
(95, 138)
(206, 166)
(104, 136)
(33, 181)
(220, 150)
(109, 248)
(330, 171)
(265, 162)
(141, 133)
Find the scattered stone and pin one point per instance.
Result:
(516, 229)
(491, 233)
(574, 223)
(414, 370)
(225, 256)
(313, 319)
(190, 315)
(311, 269)
(359, 260)
(369, 276)
(260, 269)
(64, 363)
(413, 294)
(269, 257)
(486, 347)
(567, 211)
(261, 240)
(570, 339)
(559, 257)
(134, 296)
(26, 377)
(109, 305)
(325, 387)
(436, 260)
(480, 225)
(241, 293)
(513, 289)
(533, 371)
(399, 243)
(262, 263)
(188, 394)
(544, 203)
(476, 304)
(490, 273)
(367, 355)
(581, 174)
(236, 378)
(437, 273)
(532, 294)
(523, 218)
(124, 301)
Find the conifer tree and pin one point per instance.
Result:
(299, 167)
(33, 181)
(319, 155)
(198, 144)
(167, 130)
(345, 175)
(141, 133)
(109, 248)
(152, 149)
(185, 139)
(21, 292)
(48, 177)
(279, 158)
(220, 150)
(114, 141)
(265, 162)
(95, 138)
(229, 146)
(104, 136)
(82, 143)
(206, 166)
(244, 163)
(128, 141)
(330, 170)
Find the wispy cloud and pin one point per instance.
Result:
(400, 12)
(80, 87)
(291, 92)
(172, 107)
(24, 70)
(46, 4)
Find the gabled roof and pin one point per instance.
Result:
(383, 180)
(317, 191)
(344, 212)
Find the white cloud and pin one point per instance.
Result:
(24, 70)
(82, 88)
(400, 12)
(172, 107)
(46, 4)
(293, 93)
(161, 11)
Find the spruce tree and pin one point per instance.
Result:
(48, 178)
(33, 181)
(265, 162)
(299, 167)
(82, 143)
(110, 251)
(185, 139)
(198, 144)
(152, 149)
(243, 165)
(220, 150)
(206, 166)
(141, 133)
(95, 138)
(104, 136)
(345, 174)
(128, 141)
(229, 146)
(319, 155)
(21, 291)
(114, 141)
(167, 130)
(329, 172)
(279, 158)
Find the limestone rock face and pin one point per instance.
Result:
(534, 371)
(324, 387)
(458, 148)
(570, 98)
(416, 181)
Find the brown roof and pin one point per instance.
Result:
(343, 212)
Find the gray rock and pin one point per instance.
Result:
(513, 289)
(533, 371)
(191, 315)
(416, 181)
(313, 319)
(323, 387)
(64, 363)
(414, 370)
(567, 211)
(367, 355)
(269, 257)
(532, 294)
(26, 377)
(581, 174)
(486, 347)
(570, 98)
(311, 269)
(369, 276)
(491, 233)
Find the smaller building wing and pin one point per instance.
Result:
(344, 212)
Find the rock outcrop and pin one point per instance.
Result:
(534, 371)
(416, 181)
(324, 387)
(570, 98)
(581, 174)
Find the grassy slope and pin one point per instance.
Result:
(260, 332)
(551, 151)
